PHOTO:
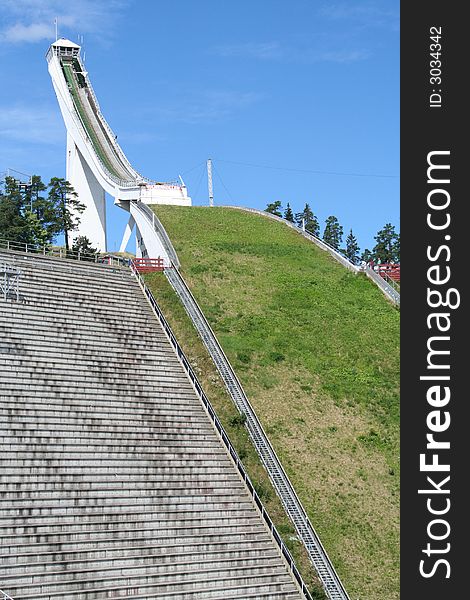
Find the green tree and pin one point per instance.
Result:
(66, 208)
(309, 219)
(43, 218)
(83, 246)
(37, 233)
(288, 214)
(387, 248)
(275, 208)
(13, 224)
(333, 233)
(33, 199)
(40, 213)
(352, 248)
(396, 249)
(367, 255)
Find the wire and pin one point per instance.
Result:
(200, 179)
(192, 169)
(223, 184)
(233, 162)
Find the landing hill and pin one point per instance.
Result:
(317, 350)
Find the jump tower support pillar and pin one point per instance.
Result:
(91, 194)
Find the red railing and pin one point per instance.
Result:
(390, 270)
(148, 265)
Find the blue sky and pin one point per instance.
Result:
(296, 101)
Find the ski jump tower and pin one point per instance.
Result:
(95, 162)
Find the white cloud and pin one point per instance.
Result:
(30, 21)
(345, 56)
(368, 14)
(34, 125)
(290, 54)
(35, 32)
(258, 50)
(210, 105)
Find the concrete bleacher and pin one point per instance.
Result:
(114, 482)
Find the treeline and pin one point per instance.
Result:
(37, 214)
(386, 249)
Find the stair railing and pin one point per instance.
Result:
(386, 288)
(222, 433)
(319, 242)
(292, 505)
(159, 230)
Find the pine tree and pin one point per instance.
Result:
(288, 214)
(387, 249)
(396, 249)
(352, 248)
(367, 256)
(274, 208)
(40, 213)
(82, 246)
(13, 224)
(309, 220)
(66, 206)
(333, 233)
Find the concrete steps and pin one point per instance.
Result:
(113, 481)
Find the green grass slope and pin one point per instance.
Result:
(317, 351)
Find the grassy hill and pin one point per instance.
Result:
(317, 351)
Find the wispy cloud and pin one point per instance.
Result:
(344, 56)
(290, 53)
(258, 50)
(35, 32)
(367, 14)
(34, 125)
(31, 21)
(210, 105)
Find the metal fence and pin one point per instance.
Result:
(390, 291)
(55, 252)
(388, 288)
(321, 243)
(223, 435)
(160, 231)
(279, 479)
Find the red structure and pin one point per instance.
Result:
(390, 270)
(148, 265)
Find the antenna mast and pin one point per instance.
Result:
(209, 182)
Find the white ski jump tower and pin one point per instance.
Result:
(95, 162)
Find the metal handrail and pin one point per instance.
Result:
(392, 282)
(110, 132)
(314, 238)
(222, 433)
(386, 288)
(107, 259)
(82, 127)
(5, 596)
(279, 479)
(389, 290)
(9, 281)
(159, 230)
(318, 556)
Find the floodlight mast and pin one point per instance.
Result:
(209, 182)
